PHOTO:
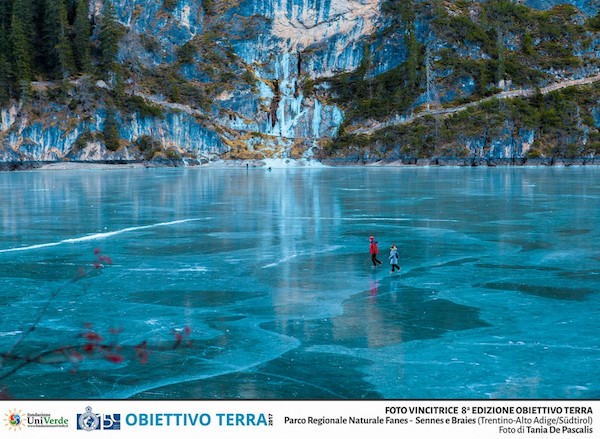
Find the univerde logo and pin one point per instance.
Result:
(13, 420)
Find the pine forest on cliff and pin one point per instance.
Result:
(338, 81)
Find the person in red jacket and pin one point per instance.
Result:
(374, 250)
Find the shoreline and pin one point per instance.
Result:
(273, 163)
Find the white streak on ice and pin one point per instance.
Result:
(172, 270)
(328, 249)
(281, 261)
(97, 236)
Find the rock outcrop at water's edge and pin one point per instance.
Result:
(463, 162)
(355, 82)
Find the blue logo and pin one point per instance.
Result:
(90, 421)
(111, 422)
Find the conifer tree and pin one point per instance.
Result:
(412, 46)
(5, 12)
(55, 37)
(25, 12)
(109, 38)
(82, 31)
(5, 70)
(5, 16)
(110, 130)
(21, 55)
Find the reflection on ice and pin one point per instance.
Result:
(271, 274)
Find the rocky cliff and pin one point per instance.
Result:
(354, 80)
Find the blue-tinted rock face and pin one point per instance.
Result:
(298, 40)
(282, 46)
(25, 140)
(170, 29)
(507, 145)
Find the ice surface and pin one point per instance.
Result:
(497, 298)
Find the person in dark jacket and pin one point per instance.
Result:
(374, 250)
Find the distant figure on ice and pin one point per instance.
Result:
(374, 250)
(394, 258)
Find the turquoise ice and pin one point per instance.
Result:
(270, 272)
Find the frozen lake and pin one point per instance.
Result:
(266, 278)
